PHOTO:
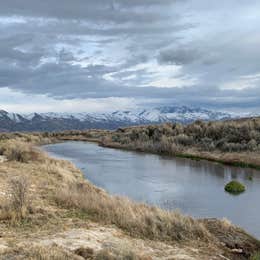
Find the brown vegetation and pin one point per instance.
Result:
(48, 196)
(224, 136)
(235, 142)
(230, 142)
(136, 219)
(20, 151)
(58, 253)
(18, 203)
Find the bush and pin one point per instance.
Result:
(20, 152)
(255, 256)
(184, 140)
(252, 145)
(20, 196)
(224, 136)
(233, 147)
(15, 208)
(207, 144)
(235, 187)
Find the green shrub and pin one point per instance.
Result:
(235, 187)
(184, 140)
(255, 256)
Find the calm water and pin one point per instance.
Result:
(196, 188)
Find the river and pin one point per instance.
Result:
(195, 188)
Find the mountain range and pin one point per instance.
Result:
(110, 120)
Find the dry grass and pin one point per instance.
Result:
(108, 254)
(39, 253)
(19, 194)
(235, 142)
(20, 151)
(137, 219)
(111, 253)
(58, 253)
(78, 202)
(16, 206)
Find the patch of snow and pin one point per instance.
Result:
(138, 116)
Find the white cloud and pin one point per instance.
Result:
(18, 102)
(243, 82)
(9, 20)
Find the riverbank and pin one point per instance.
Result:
(234, 142)
(64, 216)
(241, 159)
(168, 182)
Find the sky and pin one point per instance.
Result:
(105, 55)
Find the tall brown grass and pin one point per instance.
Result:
(16, 205)
(137, 219)
(38, 252)
(20, 151)
(19, 199)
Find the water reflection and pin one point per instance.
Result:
(194, 187)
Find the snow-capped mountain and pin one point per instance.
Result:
(113, 120)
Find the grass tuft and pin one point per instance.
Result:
(16, 206)
(235, 187)
(19, 151)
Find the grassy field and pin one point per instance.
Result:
(49, 211)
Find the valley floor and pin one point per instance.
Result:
(49, 211)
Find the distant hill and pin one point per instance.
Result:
(113, 120)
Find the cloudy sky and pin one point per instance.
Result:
(99, 55)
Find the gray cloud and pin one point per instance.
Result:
(133, 48)
(178, 56)
(117, 11)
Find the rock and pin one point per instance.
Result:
(86, 253)
(3, 247)
(237, 250)
(2, 159)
